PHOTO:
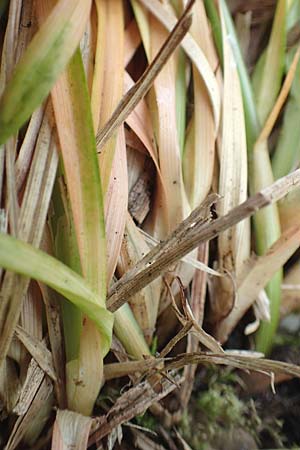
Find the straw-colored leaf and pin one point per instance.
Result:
(199, 154)
(234, 244)
(116, 199)
(25, 154)
(144, 305)
(171, 205)
(132, 41)
(38, 350)
(87, 48)
(140, 122)
(108, 75)
(289, 210)
(193, 51)
(142, 86)
(182, 77)
(107, 90)
(257, 273)
(31, 223)
(28, 427)
(181, 97)
(290, 291)
(166, 133)
(267, 227)
(142, 19)
(71, 430)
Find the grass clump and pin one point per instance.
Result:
(127, 199)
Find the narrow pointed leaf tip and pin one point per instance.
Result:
(43, 61)
(26, 260)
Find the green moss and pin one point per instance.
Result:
(215, 409)
(147, 421)
(220, 404)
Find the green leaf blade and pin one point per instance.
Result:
(24, 259)
(45, 58)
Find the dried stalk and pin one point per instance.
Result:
(193, 231)
(133, 402)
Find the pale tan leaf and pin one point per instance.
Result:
(10, 386)
(142, 86)
(25, 153)
(132, 41)
(140, 122)
(116, 200)
(28, 426)
(256, 275)
(199, 154)
(38, 351)
(168, 144)
(108, 75)
(71, 430)
(32, 219)
(234, 244)
(32, 383)
(289, 209)
(290, 290)
(193, 51)
(144, 304)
